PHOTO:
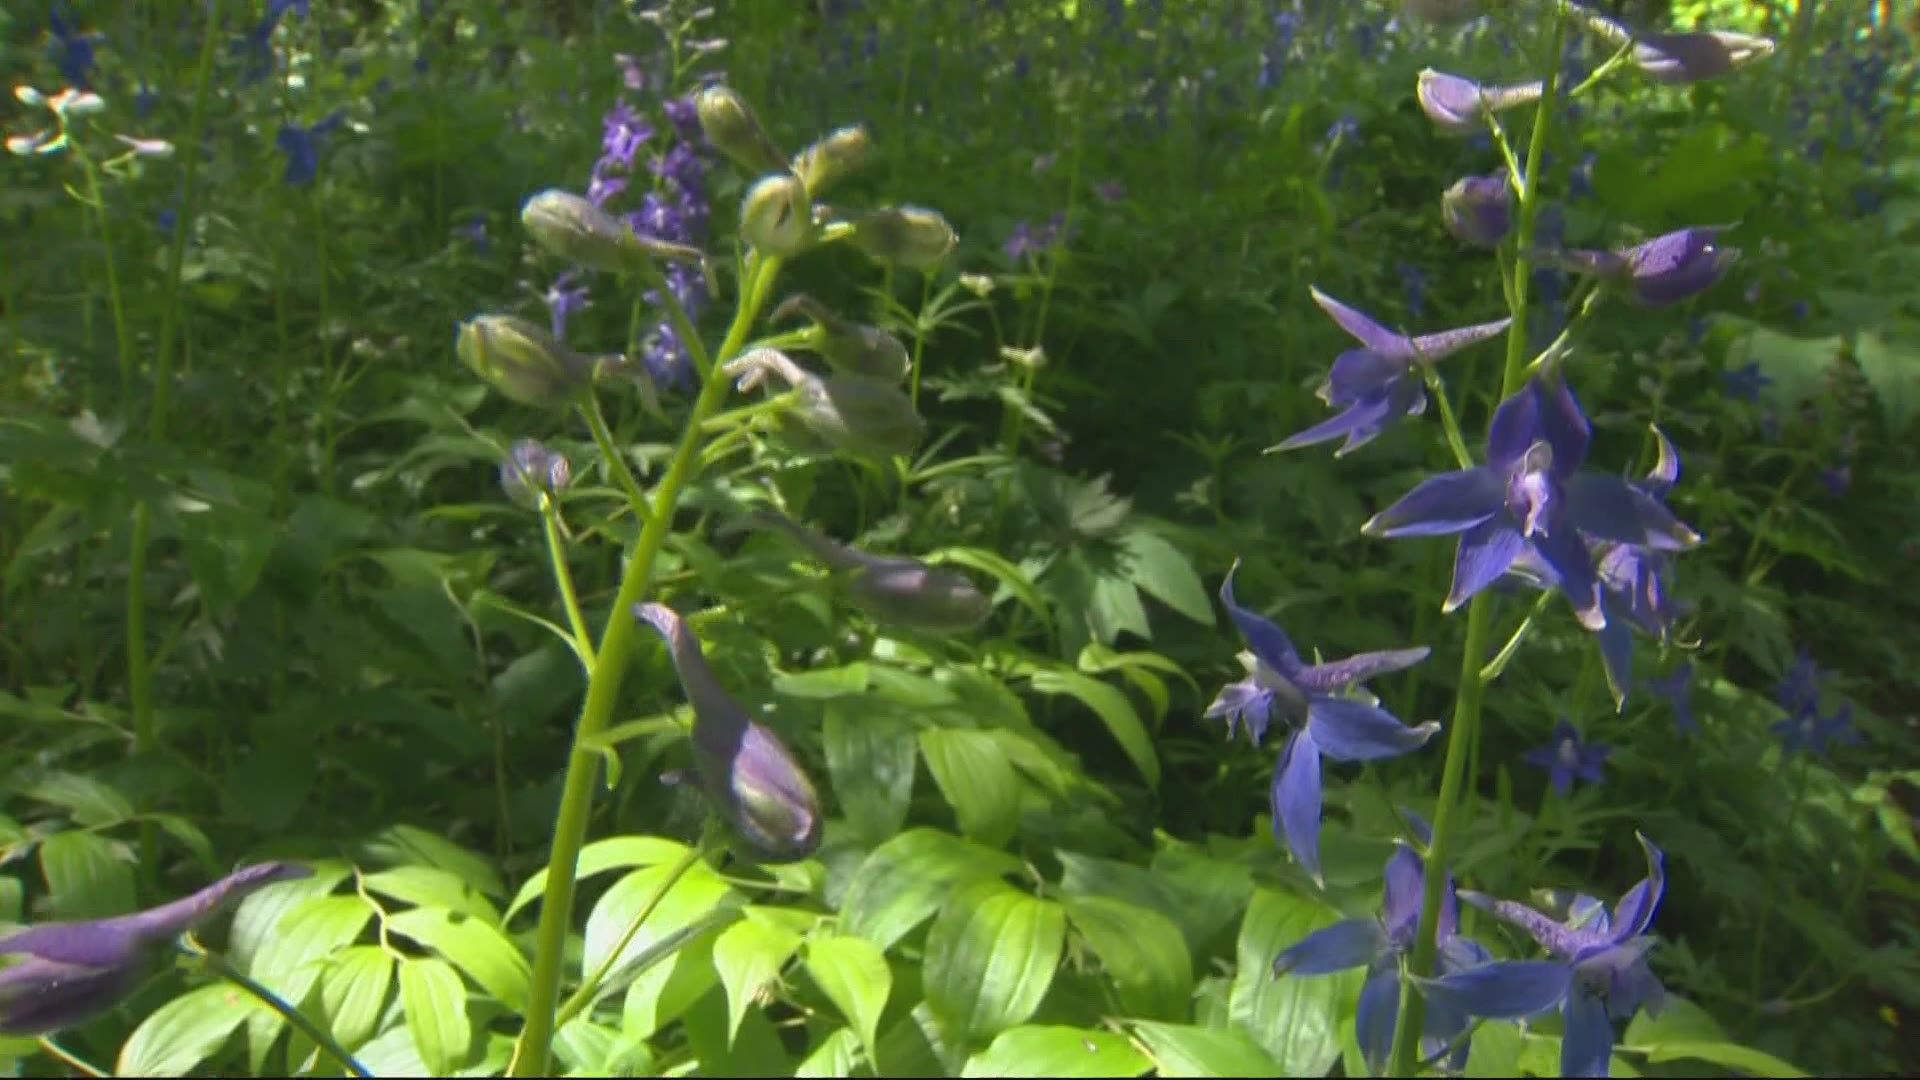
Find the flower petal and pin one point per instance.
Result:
(1610, 508)
(1347, 730)
(1636, 909)
(1361, 373)
(1485, 552)
(1362, 326)
(1616, 657)
(1245, 702)
(1441, 505)
(1586, 1048)
(1568, 555)
(1563, 425)
(1267, 641)
(1359, 424)
(1515, 428)
(1505, 990)
(1666, 467)
(1431, 347)
(1379, 1012)
(1406, 882)
(1296, 802)
(1349, 944)
(1337, 675)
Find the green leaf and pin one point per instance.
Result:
(1745, 1059)
(354, 991)
(271, 782)
(87, 875)
(1891, 364)
(435, 1001)
(474, 946)
(1183, 1050)
(404, 844)
(603, 855)
(749, 955)
(589, 1049)
(1143, 951)
(1495, 1052)
(823, 684)
(1114, 608)
(835, 1056)
(184, 1032)
(664, 993)
(1057, 1051)
(698, 891)
(1114, 710)
(854, 975)
(1010, 576)
(226, 549)
(977, 779)
(991, 957)
(1296, 1018)
(871, 755)
(906, 879)
(1683, 1031)
(1163, 572)
(426, 886)
(755, 1050)
(257, 921)
(90, 802)
(295, 954)
(1797, 366)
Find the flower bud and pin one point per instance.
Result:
(573, 228)
(1663, 271)
(72, 103)
(905, 236)
(847, 412)
(891, 588)
(1678, 59)
(751, 778)
(848, 347)
(1479, 209)
(823, 164)
(523, 361)
(532, 474)
(1460, 106)
(775, 217)
(732, 128)
(150, 148)
(29, 96)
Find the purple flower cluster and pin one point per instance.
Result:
(1805, 730)
(1027, 240)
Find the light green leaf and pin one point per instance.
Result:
(907, 878)
(1164, 572)
(1296, 1018)
(603, 855)
(1113, 709)
(405, 844)
(871, 755)
(823, 683)
(585, 1048)
(1685, 1032)
(184, 1032)
(435, 1001)
(1891, 364)
(87, 800)
(1057, 1051)
(664, 992)
(854, 975)
(749, 955)
(835, 1056)
(1114, 608)
(354, 990)
(698, 891)
(257, 920)
(1010, 576)
(87, 875)
(426, 886)
(1183, 1050)
(294, 955)
(1143, 951)
(1742, 1058)
(978, 781)
(472, 945)
(990, 958)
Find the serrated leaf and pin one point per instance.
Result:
(977, 780)
(906, 879)
(990, 958)
(871, 754)
(601, 856)
(749, 955)
(1143, 952)
(1113, 709)
(435, 1002)
(354, 991)
(1163, 572)
(1184, 1050)
(88, 876)
(1297, 1019)
(474, 946)
(854, 975)
(184, 1032)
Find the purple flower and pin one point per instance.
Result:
(563, 299)
(1026, 239)
(1799, 689)
(74, 971)
(630, 73)
(1478, 210)
(1532, 494)
(1663, 271)
(1567, 758)
(1327, 722)
(1461, 106)
(1110, 191)
(623, 132)
(1837, 479)
(73, 51)
(532, 473)
(476, 233)
(1745, 383)
(1676, 690)
(1808, 732)
(1376, 385)
(302, 147)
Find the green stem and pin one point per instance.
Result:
(616, 462)
(603, 689)
(1437, 390)
(1773, 868)
(96, 202)
(557, 551)
(221, 966)
(1463, 739)
(919, 340)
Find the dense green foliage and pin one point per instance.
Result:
(262, 595)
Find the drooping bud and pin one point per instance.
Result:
(776, 217)
(906, 236)
(523, 361)
(1663, 271)
(857, 415)
(532, 474)
(849, 347)
(1679, 59)
(894, 589)
(1479, 209)
(574, 229)
(731, 127)
(751, 778)
(1460, 106)
(841, 153)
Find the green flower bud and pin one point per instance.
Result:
(848, 347)
(823, 164)
(524, 362)
(731, 126)
(906, 236)
(573, 228)
(776, 217)
(849, 413)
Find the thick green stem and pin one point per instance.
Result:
(603, 689)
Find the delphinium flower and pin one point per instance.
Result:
(1568, 758)
(1679, 59)
(532, 474)
(1598, 974)
(74, 971)
(1837, 479)
(1676, 689)
(73, 51)
(1313, 700)
(565, 297)
(1478, 210)
(892, 588)
(1665, 270)
(1745, 382)
(862, 416)
(1804, 730)
(256, 47)
(1636, 589)
(1377, 384)
(1461, 106)
(1532, 494)
(302, 147)
(1027, 240)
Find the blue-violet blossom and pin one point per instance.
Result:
(1568, 758)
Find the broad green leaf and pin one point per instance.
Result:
(871, 756)
(354, 991)
(698, 891)
(991, 957)
(1891, 364)
(184, 1032)
(257, 920)
(1684, 1031)
(1183, 1050)
(664, 992)
(1797, 366)
(1163, 572)
(906, 879)
(823, 683)
(749, 955)
(1039, 1050)
(474, 946)
(1113, 709)
(1743, 1059)
(585, 1048)
(392, 1055)
(189, 836)
(435, 1001)
(88, 876)
(90, 802)
(1114, 608)
(755, 1050)
(835, 1056)
(294, 956)
(1143, 952)
(978, 781)
(601, 856)
(1495, 1051)
(1296, 1018)
(426, 886)
(404, 844)
(271, 781)
(854, 975)
(226, 548)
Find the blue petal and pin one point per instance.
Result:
(1359, 374)
(1362, 327)
(1508, 990)
(1359, 424)
(1586, 1048)
(1563, 426)
(1347, 730)
(1616, 656)
(1485, 553)
(1379, 1012)
(1406, 884)
(1516, 426)
(1296, 802)
(1339, 674)
(1267, 641)
(1666, 468)
(1610, 508)
(1430, 347)
(1442, 505)
(1636, 909)
(1573, 562)
(1349, 944)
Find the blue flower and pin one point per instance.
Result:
(1745, 383)
(1805, 730)
(73, 51)
(1326, 724)
(564, 298)
(1676, 689)
(1598, 973)
(302, 147)
(1567, 758)
(1376, 385)
(1532, 494)
(1663, 271)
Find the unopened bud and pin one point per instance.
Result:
(522, 361)
(573, 228)
(1678, 59)
(1479, 209)
(532, 473)
(78, 103)
(857, 415)
(908, 592)
(1461, 106)
(28, 96)
(848, 347)
(823, 164)
(731, 127)
(906, 236)
(776, 217)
